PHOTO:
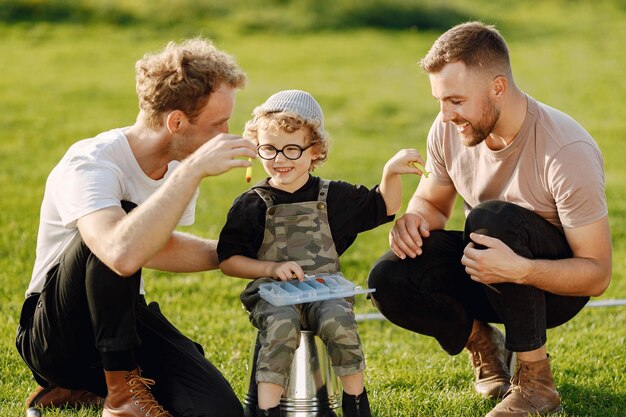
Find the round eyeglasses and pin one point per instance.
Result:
(291, 152)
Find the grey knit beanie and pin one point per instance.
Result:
(296, 101)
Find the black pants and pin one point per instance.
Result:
(433, 295)
(85, 308)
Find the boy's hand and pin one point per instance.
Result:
(391, 183)
(405, 162)
(286, 271)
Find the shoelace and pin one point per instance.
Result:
(489, 367)
(484, 348)
(142, 397)
(475, 358)
(516, 384)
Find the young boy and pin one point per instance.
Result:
(293, 223)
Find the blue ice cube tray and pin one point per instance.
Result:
(313, 288)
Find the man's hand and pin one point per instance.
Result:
(222, 153)
(495, 264)
(405, 238)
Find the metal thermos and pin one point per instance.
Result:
(33, 412)
(313, 388)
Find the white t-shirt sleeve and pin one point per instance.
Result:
(88, 186)
(189, 215)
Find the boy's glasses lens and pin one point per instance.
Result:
(292, 152)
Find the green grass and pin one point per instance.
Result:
(65, 81)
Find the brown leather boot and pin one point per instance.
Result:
(490, 360)
(54, 396)
(129, 396)
(532, 392)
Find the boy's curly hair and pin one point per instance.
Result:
(289, 122)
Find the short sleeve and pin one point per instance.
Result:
(87, 187)
(435, 153)
(576, 180)
(189, 215)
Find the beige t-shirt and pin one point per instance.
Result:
(553, 167)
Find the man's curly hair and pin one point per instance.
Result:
(182, 77)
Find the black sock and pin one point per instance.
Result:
(123, 360)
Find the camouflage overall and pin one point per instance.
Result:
(301, 232)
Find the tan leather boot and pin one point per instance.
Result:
(129, 396)
(490, 360)
(54, 396)
(532, 392)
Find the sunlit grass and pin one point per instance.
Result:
(61, 83)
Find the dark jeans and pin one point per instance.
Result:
(85, 308)
(432, 294)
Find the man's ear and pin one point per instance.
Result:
(175, 121)
(499, 86)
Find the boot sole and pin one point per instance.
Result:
(558, 410)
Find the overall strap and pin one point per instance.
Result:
(324, 184)
(265, 196)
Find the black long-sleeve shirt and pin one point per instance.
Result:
(352, 209)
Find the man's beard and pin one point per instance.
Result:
(481, 129)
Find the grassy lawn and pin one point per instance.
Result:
(62, 82)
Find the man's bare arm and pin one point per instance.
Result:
(186, 253)
(429, 209)
(126, 242)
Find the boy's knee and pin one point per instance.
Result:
(284, 329)
(337, 321)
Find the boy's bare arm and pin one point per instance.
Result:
(391, 182)
(244, 267)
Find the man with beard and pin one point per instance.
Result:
(536, 243)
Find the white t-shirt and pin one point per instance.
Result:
(94, 174)
(553, 167)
